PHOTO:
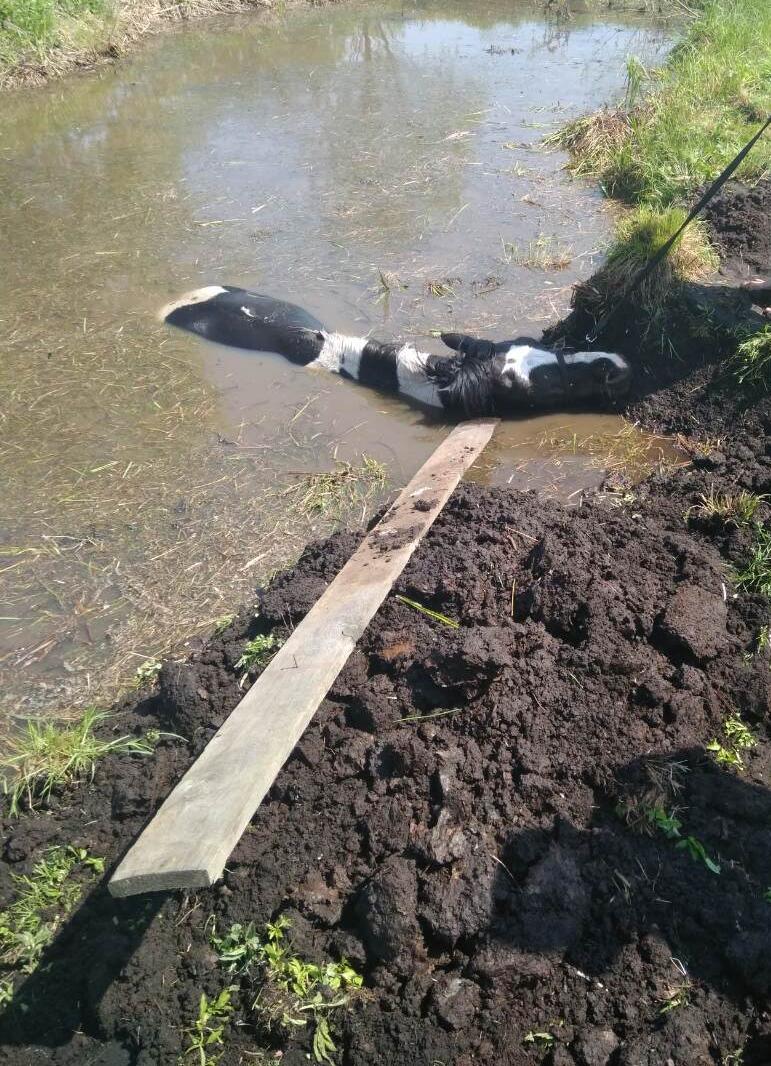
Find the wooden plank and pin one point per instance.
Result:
(187, 843)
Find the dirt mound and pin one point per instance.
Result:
(467, 818)
(739, 221)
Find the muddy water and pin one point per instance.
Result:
(379, 165)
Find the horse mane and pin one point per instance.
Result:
(465, 381)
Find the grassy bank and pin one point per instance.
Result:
(40, 39)
(678, 128)
(688, 120)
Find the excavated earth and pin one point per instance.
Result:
(464, 819)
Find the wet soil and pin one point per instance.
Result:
(474, 864)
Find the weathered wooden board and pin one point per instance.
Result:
(190, 838)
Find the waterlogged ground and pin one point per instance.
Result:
(379, 165)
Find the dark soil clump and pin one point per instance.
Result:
(739, 222)
(464, 819)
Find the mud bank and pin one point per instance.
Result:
(684, 382)
(481, 866)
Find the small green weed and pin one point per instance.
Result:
(45, 898)
(752, 360)
(222, 623)
(257, 652)
(670, 826)
(697, 851)
(206, 1034)
(738, 739)
(541, 1039)
(46, 756)
(755, 575)
(676, 998)
(767, 895)
(290, 991)
(436, 615)
(6, 992)
(763, 640)
(147, 673)
(667, 823)
(733, 1058)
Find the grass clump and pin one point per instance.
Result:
(592, 139)
(755, 575)
(639, 236)
(544, 253)
(46, 756)
(45, 898)
(206, 1035)
(752, 359)
(332, 492)
(258, 652)
(739, 508)
(737, 739)
(699, 110)
(290, 991)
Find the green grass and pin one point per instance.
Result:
(639, 235)
(258, 652)
(44, 899)
(28, 27)
(206, 1035)
(46, 756)
(699, 110)
(290, 991)
(755, 575)
(739, 508)
(752, 360)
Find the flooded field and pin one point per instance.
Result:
(380, 165)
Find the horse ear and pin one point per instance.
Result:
(454, 340)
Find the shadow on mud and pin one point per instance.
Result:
(78, 968)
(622, 887)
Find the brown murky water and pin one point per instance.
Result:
(357, 160)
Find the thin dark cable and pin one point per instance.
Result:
(644, 271)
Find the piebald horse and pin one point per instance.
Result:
(479, 378)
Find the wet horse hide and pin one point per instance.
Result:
(480, 378)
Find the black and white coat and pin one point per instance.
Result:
(480, 377)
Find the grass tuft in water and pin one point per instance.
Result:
(332, 492)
